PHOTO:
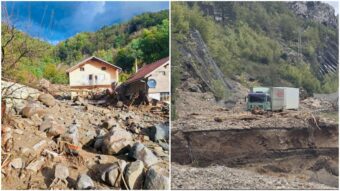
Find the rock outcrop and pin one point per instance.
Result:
(319, 12)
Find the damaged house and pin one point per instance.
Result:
(93, 73)
(152, 80)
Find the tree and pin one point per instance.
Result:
(154, 43)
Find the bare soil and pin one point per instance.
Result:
(212, 141)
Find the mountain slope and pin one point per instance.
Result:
(114, 40)
(265, 42)
(143, 39)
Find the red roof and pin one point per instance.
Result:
(147, 69)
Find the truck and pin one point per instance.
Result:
(273, 98)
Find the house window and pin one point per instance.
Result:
(103, 68)
(101, 77)
(82, 69)
(152, 83)
(162, 72)
(90, 77)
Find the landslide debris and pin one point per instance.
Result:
(215, 147)
(50, 143)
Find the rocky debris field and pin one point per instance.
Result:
(50, 143)
(199, 111)
(221, 177)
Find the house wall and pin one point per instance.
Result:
(104, 77)
(162, 77)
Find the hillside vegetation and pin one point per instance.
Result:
(143, 39)
(262, 41)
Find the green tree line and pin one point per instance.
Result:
(143, 39)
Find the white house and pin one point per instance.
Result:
(92, 73)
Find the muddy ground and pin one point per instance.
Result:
(215, 147)
(31, 153)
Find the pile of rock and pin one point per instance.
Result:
(64, 130)
(136, 175)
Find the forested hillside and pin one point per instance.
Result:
(271, 43)
(143, 39)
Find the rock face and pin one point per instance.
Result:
(116, 141)
(316, 11)
(140, 152)
(134, 175)
(84, 182)
(47, 99)
(205, 68)
(323, 13)
(157, 179)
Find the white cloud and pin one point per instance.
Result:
(335, 5)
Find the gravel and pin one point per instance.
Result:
(221, 177)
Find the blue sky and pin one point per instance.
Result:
(57, 21)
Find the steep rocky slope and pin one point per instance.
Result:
(307, 12)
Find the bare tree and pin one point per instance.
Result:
(15, 45)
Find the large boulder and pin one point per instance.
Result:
(16, 95)
(84, 182)
(71, 134)
(32, 109)
(56, 129)
(46, 124)
(157, 178)
(61, 172)
(36, 165)
(108, 124)
(16, 163)
(44, 84)
(114, 173)
(160, 132)
(117, 141)
(52, 127)
(140, 152)
(47, 99)
(134, 175)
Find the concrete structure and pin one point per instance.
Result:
(92, 73)
(152, 80)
